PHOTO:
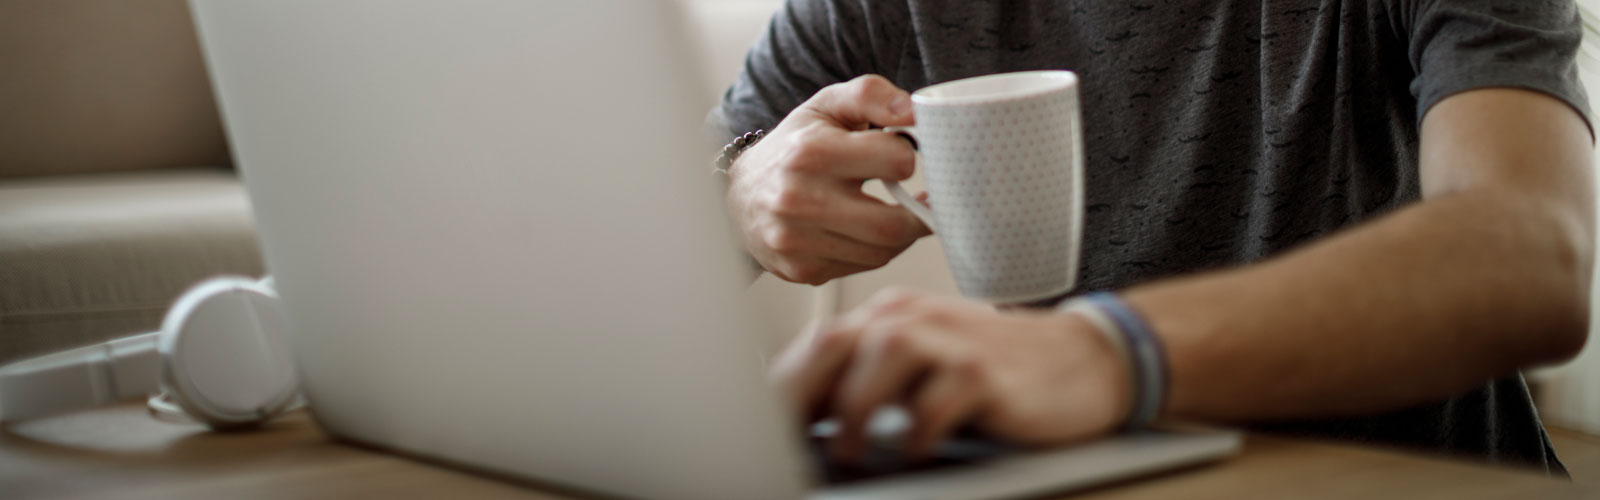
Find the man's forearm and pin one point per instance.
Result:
(1415, 307)
(1488, 275)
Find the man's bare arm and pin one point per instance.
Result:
(1489, 274)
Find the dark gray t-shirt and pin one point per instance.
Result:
(1218, 132)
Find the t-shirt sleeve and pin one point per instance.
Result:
(808, 45)
(1460, 45)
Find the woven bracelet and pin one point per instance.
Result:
(1132, 338)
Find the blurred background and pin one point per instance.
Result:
(1569, 395)
(117, 191)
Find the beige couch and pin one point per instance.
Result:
(115, 186)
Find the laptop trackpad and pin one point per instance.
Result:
(884, 457)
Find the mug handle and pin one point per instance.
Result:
(899, 193)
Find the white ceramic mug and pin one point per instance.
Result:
(1003, 157)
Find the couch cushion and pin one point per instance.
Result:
(85, 258)
(97, 86)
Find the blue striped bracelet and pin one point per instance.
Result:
(1134, 339)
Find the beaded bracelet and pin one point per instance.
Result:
(732, 151)
(1133, 339)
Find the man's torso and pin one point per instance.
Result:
(1217, 133)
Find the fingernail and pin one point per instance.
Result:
(901, 105)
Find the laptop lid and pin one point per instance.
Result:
(497, 239)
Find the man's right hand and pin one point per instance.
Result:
(796, 195)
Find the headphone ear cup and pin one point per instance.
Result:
(225, 358)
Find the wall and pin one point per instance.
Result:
(1570, 394)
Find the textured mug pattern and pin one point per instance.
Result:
(1005, 184)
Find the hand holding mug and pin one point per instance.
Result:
(1003, 156)
(796, 195)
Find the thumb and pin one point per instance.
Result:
(864, 102)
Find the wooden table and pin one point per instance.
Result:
(120, 452)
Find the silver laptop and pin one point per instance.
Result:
(500, 248)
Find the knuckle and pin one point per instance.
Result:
(867, 85)
(810, 151)
(929, 314)
(786, 242)
(807, 272)
(894, 340)
(793, 202)
(836, 339)
(891, 338)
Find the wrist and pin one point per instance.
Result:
(1141, 352)
(733, 206)
(736, 148)
(1108, 365)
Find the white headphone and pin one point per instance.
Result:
(220, 358)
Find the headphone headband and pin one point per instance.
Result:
(85, 377)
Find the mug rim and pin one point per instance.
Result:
(1051, 81)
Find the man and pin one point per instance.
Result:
(1355, 219)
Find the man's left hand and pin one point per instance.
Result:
(1028, 378)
